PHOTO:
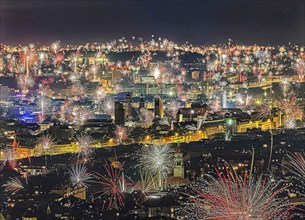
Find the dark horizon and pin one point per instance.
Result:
(270, 22)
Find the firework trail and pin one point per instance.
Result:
(165, 121)
(146, 184)
(9, 158)
(232, 197)
(196, 127)
(79, 176)
(13, 185)
(296, 163)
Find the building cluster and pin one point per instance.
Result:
(100, 104)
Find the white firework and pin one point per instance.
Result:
(46, 141)
(108, 105)
(84, 142)
(13, 185)
(165, 121)
(81, 115)
(196, 127)
(79, 176)
(156, 158)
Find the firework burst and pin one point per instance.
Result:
(146, 116)
(79, 176)
(113, 186)
(13, 185)
(84, 142)
(25, 82)
(46, 142)
(285, 86)
(296, 163)
(121, 133)
(291, 108)
(108, 105)
(156, 158)
(264, 112)
(173, 107)
(81, 115)
(232, 197)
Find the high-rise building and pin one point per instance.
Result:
(142, 104)
(127, 105)
(119, 113)
(159, 112)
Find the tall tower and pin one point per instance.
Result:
(142, 104)
(179, 165)
(159, 112)
(127, 105)
(119, 113)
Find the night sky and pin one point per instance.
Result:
(196, 21)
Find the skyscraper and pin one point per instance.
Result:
(159, 112)
(127, 105)
(119, 113)
(142, 104)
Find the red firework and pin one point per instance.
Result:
(113, 184)
(121, 133)
(29, 57)
(59, 57)
(232, 197)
